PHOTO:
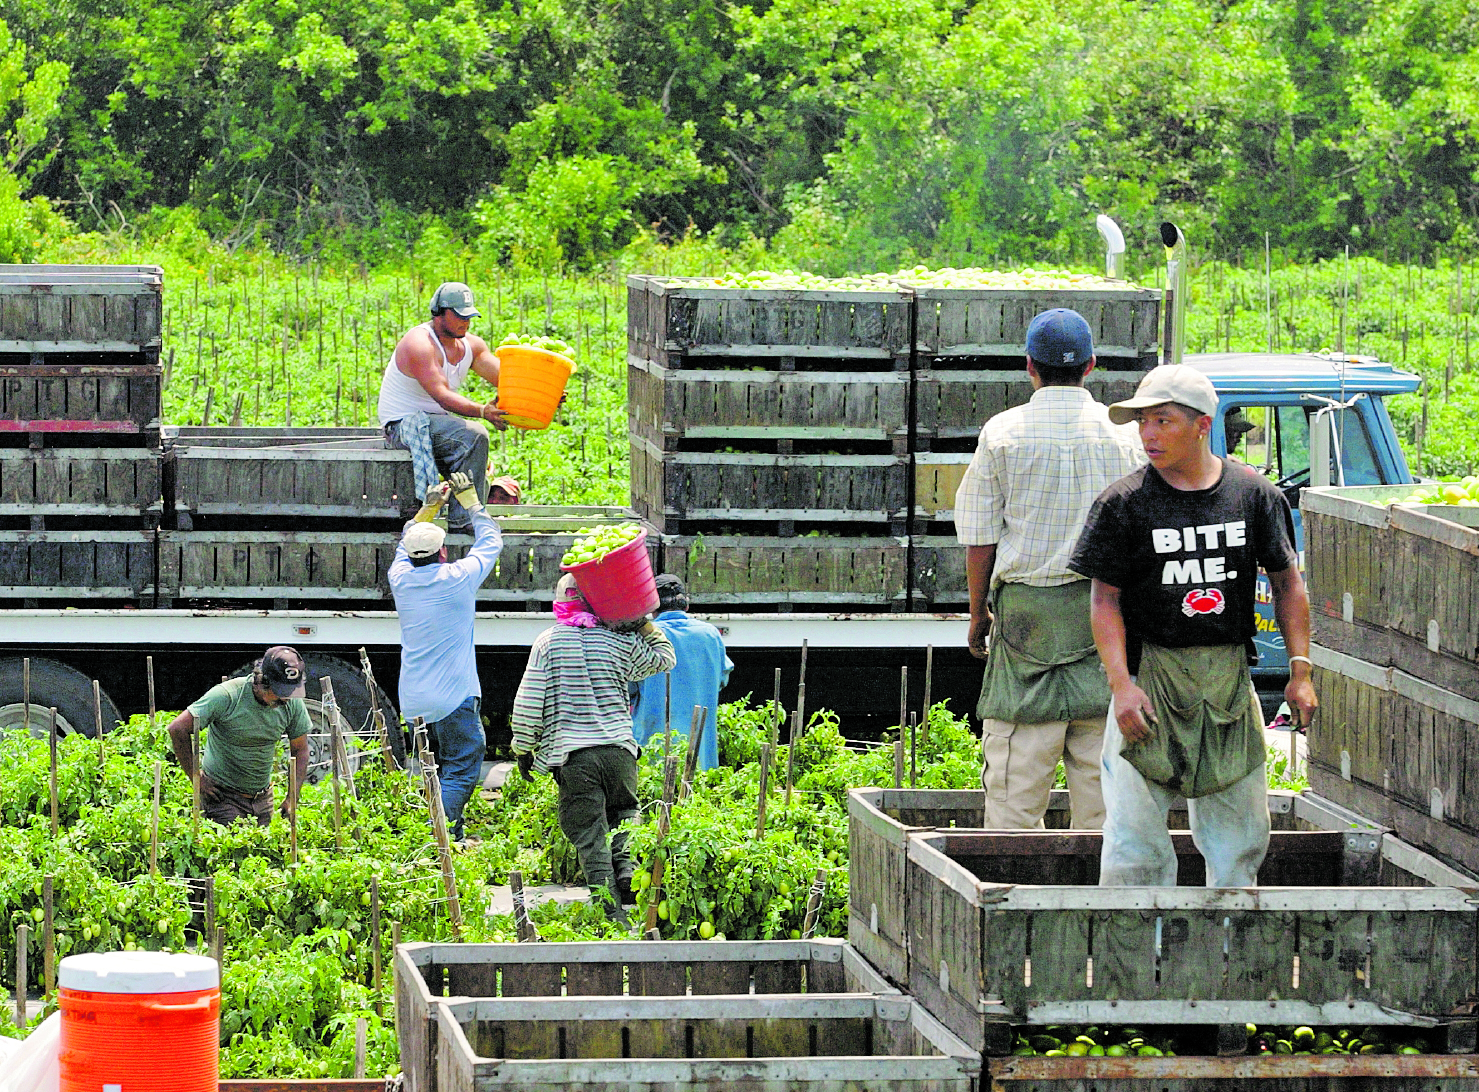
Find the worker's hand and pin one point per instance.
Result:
(1134, 713)
(1300, 694)
(494, 416)
(464, 491)
(289, 805)
(205, 786)
(436, 496)
(526, 766)
(980, 630)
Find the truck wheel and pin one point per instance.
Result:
(354, 713)
(52, 684)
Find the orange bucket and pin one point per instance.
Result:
(139, 1022)
(531, 383)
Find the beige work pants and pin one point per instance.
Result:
(1020, 761)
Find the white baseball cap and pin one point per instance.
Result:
(1179, 383)
(423, 539)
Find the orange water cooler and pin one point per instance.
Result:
(139, 1022)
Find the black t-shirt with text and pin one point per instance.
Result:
(1186, 561)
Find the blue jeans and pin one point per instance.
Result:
(460, 746)
(448, 444)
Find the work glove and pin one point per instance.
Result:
(463, 490)
(526, 766)
(436, 496)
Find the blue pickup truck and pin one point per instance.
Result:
(1274, 410)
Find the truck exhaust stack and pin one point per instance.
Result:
(1173, 336)
(1114, 247)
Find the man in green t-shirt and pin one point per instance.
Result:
(246, 718)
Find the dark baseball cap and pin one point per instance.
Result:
(1060, 338)
(456, 297)
(283, 672)
(671, 593)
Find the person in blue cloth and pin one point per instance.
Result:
(702, 671)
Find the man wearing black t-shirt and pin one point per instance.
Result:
(1174, 550)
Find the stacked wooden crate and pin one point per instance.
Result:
(80, 489)
(968, 365)
(1395, 597)
(769, 439)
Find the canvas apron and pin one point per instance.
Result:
(1042, 666)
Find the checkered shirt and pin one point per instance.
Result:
(1035, 474)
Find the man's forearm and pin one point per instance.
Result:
(180, 731)
(1108, 623)
(980, 563)
(1292, 610)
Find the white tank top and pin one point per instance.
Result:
(401, 396)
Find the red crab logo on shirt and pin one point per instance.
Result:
(1203, 601)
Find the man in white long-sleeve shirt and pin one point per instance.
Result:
(435, 602)
(572, 718)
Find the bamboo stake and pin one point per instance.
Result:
(903, 699)
(48, 936)
(801, 691)
(929, 674)
(331, 707)
(218, 945)
(524, 929)
(814, 904)
(209, 897)
(22, 950)
(26, 695)
(791, 754)
(667, 714)
(149, 670)
(361, 1027)
(375, 941)
(51, 738)
(195, 759)
(382, 733)
(664, 820)
(695, 740)
(97, 723)
(913, 754)
(899, 763)
(293, 813)
(777, 714)
(439, 827)
(154, 823)
(764, 790)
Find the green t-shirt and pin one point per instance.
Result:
(244, 733)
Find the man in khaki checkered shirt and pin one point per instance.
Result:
(1019, 511)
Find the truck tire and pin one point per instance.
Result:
(354, 710)
(52, 684)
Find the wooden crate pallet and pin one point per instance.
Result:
(966, 324)
(723, 571)
(687, 322)
(937, 572)
(1399, 737)
(991, 945)
(685, 1044)
(274, 565)
(77, 565)
(111, 482)
(426, 973)
(88, 309)
(674, 409)
(1411, 570)
(950, 406)
(682, 492)
(937, 477)
(1276, 1073)
(81, 398)
(880, 822)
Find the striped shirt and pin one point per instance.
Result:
(1037, 471)
(575, 690)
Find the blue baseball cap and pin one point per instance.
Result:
(1060, 338)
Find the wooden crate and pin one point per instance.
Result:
(81, 565)
(961, 325)
(534, 542)
(427, 972)
(284, 482)
(1276, 1073)
(80, 309)
(687, 493)
(723, 571)
(950, 406)
(937, 572)
(687, 1044)
(118, 481)
(996, 938)
(937, 476)
(881, 820)
(1398, 748)
(687, 322)
(74, 397)
(1408, 569)
(674, 409)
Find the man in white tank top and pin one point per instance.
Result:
(420, 408)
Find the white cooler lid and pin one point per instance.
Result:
(138, 972)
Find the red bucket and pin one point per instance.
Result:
(620, 586)
(140, 1022)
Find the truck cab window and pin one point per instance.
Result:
(1276, 441)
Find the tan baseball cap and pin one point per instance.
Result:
(1178, 383)
(423, 539)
